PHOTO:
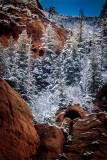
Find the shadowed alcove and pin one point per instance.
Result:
(72, 114)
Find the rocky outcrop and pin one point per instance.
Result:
(51, 142)
(89, 139)
(15, 19)
(24, 2)
(39, 5)
(101, 99)
(20, 140)
(69, 114)
(18, 137)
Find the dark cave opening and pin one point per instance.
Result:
(41, 53)
(72, 114)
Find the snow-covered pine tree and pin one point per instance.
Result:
(48, 40)
(103, 17)
(40, 78)
(25, 70)
(94, 73)
(9, 64)
(59, 85)
(71, 63)
(2, 61)
(94, 77)
(17, 61)
(46, 76)
(85, 50)
(11, 59)
(62, 94)
(31, 89)
(81, 25)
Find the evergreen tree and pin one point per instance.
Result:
(60, 86)
(81, 25)
(103, 17)
(3, 62)
(94, 77)
(25, 62)
(71, 64)
(45, 67)
(94, 70)
(40, 77)
(51, 10)
(9, 64)
(48, 40)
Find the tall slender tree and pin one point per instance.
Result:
(46, 66)
(71, 64)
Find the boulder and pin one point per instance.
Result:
(51, 142)
(89, 139)
(18, 137)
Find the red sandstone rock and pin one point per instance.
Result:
(31, 19)
(60, 118)
(89, 139)
(52, 141)
(18, 137)
(71, 112)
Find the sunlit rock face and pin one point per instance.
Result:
(19, 139)
(16, 18)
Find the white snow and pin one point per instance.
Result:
(88, 153)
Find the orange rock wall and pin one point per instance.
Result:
(14, 20)
(18, 137)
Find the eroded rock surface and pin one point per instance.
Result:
(18, 137)
(15, 19)
(51, 142)
(89, 139)
(70, 113)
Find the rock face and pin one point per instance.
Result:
(69, 114)
(19, 140)
(38, 4)
(15, 19)
(89, 139)
(15, 2)
(18, 137)
(101, 99)
(52, 141)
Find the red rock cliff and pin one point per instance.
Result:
(18, 137)
(15, 19)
